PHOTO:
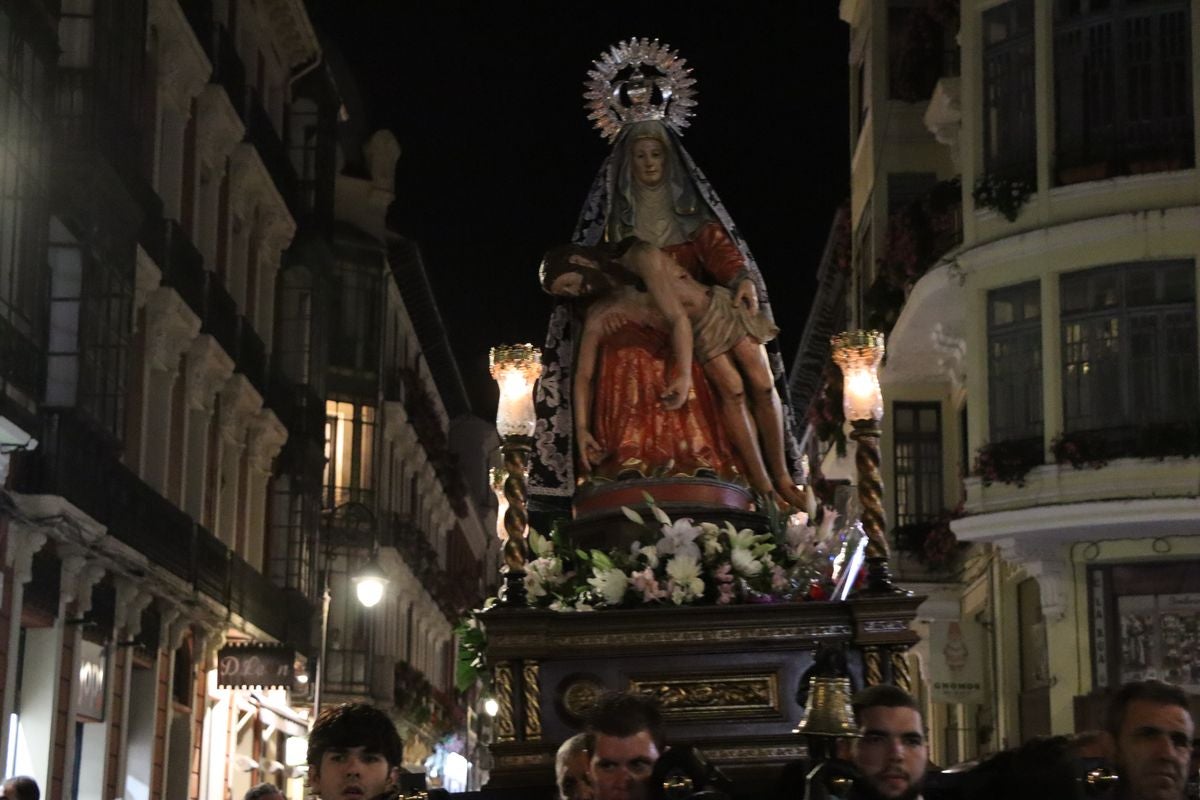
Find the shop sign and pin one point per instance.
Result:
(255, 666)
(956, 656)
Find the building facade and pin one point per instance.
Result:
(183, 446)
(1024, 222)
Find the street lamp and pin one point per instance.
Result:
(515, 368)
(370, 581)
(859, 354)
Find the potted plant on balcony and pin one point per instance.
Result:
(1007, 462)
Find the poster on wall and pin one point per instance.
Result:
(1160, 638)
(956, 660)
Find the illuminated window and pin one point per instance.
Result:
(1129, 355)
(349, 453)
(1015, 364)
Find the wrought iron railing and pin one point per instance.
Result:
(81, 466)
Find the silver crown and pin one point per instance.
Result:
(639, 80)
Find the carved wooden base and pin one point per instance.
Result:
(726, 676)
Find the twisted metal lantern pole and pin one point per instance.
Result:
(859, 354)
(515, 369)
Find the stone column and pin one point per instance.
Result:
(267, 436)
(183, 71)
(218, 131)
(208, 368)
(171, 326)
(239, 402)
(278, 231)
(22, 542)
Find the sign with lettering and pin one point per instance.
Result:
(255, 666)
(956, 660)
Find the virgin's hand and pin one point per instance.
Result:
(612, 322)
(747, 296)
(589, 448)
(676, 393)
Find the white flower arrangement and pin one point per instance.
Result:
(685, 563)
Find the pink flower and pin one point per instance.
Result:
(724, 574)
(724, 594)
(647, 584)
(779, 580)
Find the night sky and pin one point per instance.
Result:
(486, 101)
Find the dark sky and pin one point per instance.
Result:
(486, 101)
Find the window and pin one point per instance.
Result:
(302, 133)
(349, 453)
(921, 49)
(1123, 92)
(1129, 348)
(1015, 364)
(90, 320)
(1009, 138)
(917, 454)
(354, 310)
(24, 102)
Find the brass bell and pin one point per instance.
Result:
(828, 711)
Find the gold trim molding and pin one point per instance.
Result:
(704, 696)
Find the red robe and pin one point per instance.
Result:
(628, 418)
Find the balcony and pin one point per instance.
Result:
(182, 265)
(89, 120)
(260, 132)
(78, 465)
(22, 364)
(1159, 145)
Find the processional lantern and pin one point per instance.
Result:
(515, 368)
(859, 354)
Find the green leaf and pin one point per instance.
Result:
(660, 515)
(601, 561)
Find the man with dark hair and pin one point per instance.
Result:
(263, 791)
(891, 751)
(354, 753)
(1152, 727)
(22, 787)
(572, 768)
(627, 737)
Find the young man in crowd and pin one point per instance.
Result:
(354, 753)
(891, 751)
(627, 736)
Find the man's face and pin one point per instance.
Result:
(621, 766)
(891, 752)
(586, 280)
(353, 773)
(574, 777)
(1154, 746)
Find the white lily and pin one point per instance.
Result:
(611, 584)
(679, 539)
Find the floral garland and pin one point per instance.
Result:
(684, 563)
(1079, 450)
(1007, 462)
(932, 542)
(1005, 195)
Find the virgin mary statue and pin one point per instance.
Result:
(640, 96)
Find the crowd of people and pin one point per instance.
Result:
(1148, 746)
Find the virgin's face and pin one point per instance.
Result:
(648, 161)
